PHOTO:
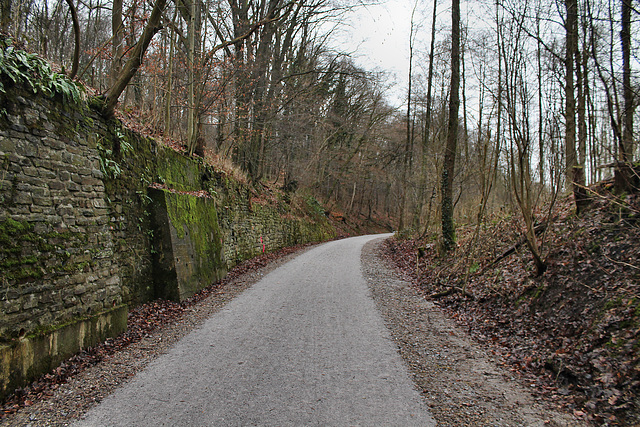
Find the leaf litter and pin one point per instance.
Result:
(572, 334)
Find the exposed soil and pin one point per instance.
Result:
(572, 333)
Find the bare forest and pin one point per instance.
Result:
(509, 105)
(510, 171)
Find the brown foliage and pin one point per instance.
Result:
(574, 332)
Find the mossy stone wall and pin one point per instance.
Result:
(79, 221)
(216, 222)
(56, 242)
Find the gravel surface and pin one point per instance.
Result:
(305, 346)
(461, 383)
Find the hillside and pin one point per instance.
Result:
(572, 334)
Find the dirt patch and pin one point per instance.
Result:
(461, 381)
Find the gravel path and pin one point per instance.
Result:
(304, 346)
(461, 384)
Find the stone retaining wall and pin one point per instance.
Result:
(79, 226)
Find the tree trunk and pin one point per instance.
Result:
(134, 62)
(408, 142)
(448, 231)
(427, 120)
(169, 87)
(192, 126)
(117, 30)
(574, 172)
(76, 37)
(624, 175)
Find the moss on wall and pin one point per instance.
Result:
(187, 244)
(76, 232)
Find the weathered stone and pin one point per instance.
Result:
(56, 185)
(73, 187)
(7, 145)
(30, 301)
(11, 306)
(42, 201)
(30, 171)
(22, 199)
(27, 149)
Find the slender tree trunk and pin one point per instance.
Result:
(76, 37)
(427, 120)
(192, 127)
(574, 172)
(624, 175)
(134, 62)
(540, 124)
(582, 118)
(407, 146)
(169, 87)
(448, 230)
(117, 31)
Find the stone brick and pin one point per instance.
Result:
(30, 301)
(7, 145)
(30, 171)
(22, 198)
(40, 192)
(42, 201)
(48, 174)
(56, 185)
(27, 149)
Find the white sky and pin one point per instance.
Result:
(378, 38)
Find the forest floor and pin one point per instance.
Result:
(573, 333)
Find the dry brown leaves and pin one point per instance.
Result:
(572, 334)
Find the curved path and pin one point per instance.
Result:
(304, 346)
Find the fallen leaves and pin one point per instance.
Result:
(574, 333)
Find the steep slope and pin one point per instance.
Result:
(573, 333)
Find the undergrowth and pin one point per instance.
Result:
(573, 333)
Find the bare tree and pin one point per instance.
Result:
(448, 230)
(624, 174)
(408, 148)
(574, 171)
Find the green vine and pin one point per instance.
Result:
(109, 167)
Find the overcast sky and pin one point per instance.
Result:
(378, 38)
